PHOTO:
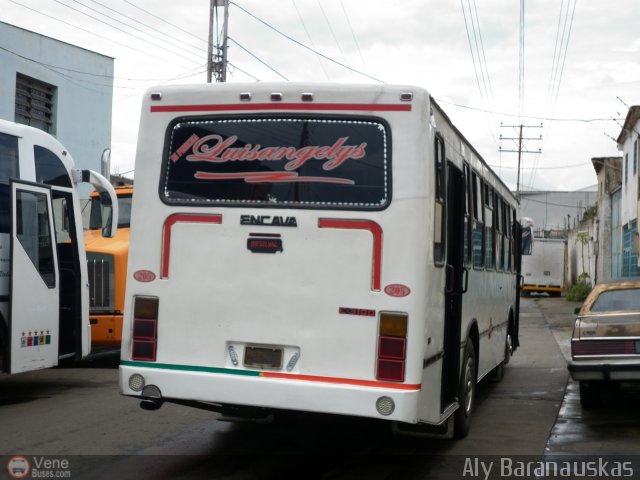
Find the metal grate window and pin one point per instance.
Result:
(35, 103)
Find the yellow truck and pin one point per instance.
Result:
(107, 267)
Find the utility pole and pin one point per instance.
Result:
(217, 61)
(520, 145)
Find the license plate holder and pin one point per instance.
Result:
(263, 357)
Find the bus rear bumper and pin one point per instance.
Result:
(251, 389)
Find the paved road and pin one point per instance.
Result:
(77, 411)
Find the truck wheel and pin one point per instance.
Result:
(466, 392)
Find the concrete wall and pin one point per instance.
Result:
(84, 82)
(556, 210)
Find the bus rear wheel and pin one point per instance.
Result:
(466, 392)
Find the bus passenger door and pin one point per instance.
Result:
(454, 284)
(34, 298)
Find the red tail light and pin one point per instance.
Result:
(603, 347)
(145, 328)
(392, 347)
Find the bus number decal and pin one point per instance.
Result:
(397, 290)
(144, 276)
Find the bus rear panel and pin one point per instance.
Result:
(282, 255)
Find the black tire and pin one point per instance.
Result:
(590, 394)
(466, 392)
(497, 374)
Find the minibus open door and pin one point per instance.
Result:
(34, 281)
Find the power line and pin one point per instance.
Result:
(546, 168)
(557, 68)
(164, 34)
(353, 35)
(521, 62)
(260, 60)
(113, 26)
(86, 31)
(585, 120)
(304, 26)
(333, 34)
(164, 20)
(305, 46)
(484, 92)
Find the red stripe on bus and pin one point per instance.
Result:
(342, 381)
(375, 230)
(166, 233)
(373, 107)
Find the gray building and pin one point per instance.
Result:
(60, 88)
(553, 211)
(607, 227)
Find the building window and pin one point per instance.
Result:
(35, 103)
(635, 157)
(626, 167)
(629, 258)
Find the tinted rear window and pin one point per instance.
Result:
(611, 300)
(334, 163)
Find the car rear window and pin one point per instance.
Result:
(628, 299)
(303, 162)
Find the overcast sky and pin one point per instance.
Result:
(579, 56)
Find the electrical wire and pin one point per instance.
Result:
(165, 21)
(304, 26)
(259, 59)
(115, 27)
(164, 35)
(353, 35)
(333, 34)
(87, 31)
(305, 46)
(484, 92)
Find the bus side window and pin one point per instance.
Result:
(478, 226)
(8, 169)
(527, 240)
(507, 239)
(499, 232)
(439, 216)
(49, 168)
(512, 227)
(468, 205)
(489, 219)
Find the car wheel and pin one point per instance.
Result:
(466, 392)
(590, 394)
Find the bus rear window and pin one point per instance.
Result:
(333, 163)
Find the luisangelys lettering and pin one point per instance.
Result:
(217, 149)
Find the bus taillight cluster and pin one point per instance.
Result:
(145, 328)
(392, 346)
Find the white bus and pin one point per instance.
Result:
(44, 297)
(324, 248)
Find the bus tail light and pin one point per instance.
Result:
(145, 328)
(392, 346)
